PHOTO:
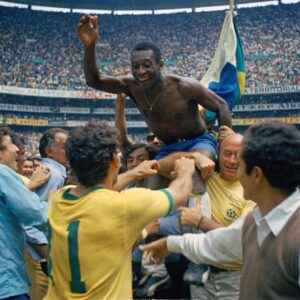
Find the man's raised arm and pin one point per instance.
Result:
(181, 186)
(120, 122)
(88, 32)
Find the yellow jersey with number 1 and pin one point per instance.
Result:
(91, 239)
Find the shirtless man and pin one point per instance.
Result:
(168, 104)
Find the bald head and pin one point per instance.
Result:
(234, 138)
(228, 160)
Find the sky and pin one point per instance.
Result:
(141, 12)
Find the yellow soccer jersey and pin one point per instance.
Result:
(25, 179)
(227, 204)
(91, 240)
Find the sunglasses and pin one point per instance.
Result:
(150, 138)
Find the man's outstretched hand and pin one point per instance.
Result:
(145, 169)
(87, 30)
(155, 251)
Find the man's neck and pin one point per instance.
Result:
(80, 189)
(157, 87)
(270, 198)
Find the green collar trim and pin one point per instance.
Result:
(67, 196)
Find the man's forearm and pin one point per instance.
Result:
(124, 179)
(91, 70)
(180, 188)
(166, 164)
(120, 123)
(212, 247)
(208, 224)
(224, 116)
(41, 249)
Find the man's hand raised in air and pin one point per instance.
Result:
(87, 30)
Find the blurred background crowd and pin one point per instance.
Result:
(41, 49)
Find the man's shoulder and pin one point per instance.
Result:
(6, 171)
(176, 79)
(183, 84)
(55, 167)
(139, 193)
(180, 79)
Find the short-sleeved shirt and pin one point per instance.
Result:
(227, 204)
(91, 240)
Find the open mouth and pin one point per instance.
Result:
(143, 80)
(231, 170)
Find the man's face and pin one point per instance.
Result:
(9, 153)
(153, 141)
(246, 181)
(136, 157)
(36, 163)
(21, 158)
(27, 168)
(144, 67)
(58, 154)
(228, 160)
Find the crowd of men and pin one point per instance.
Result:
(98, 222)
(30, 57)
(98, 216)
(229, 203)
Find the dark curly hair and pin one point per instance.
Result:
(89, 150)
(148, 45)
(275, 148)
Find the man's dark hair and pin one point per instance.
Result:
(89, 150)
(29, 158)
(3, 131)
(275, 148)
(17, 139)
(147, 45)
(151, 150)
(48, 140)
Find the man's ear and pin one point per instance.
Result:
(48, 152)
(258, 174)
(115, 161)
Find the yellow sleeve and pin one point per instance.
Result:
(25, 180)
(143, 206)
(249, 205)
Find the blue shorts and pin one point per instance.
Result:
(206, 141)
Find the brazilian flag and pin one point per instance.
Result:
(226, 73)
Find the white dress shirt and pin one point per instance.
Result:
(224, 245)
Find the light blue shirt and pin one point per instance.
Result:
(18, 206)
(56, 181)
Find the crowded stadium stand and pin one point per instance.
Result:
(42, 82)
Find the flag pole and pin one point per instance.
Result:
(231, 5)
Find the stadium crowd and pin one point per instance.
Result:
(75, 196)
(42, 50)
